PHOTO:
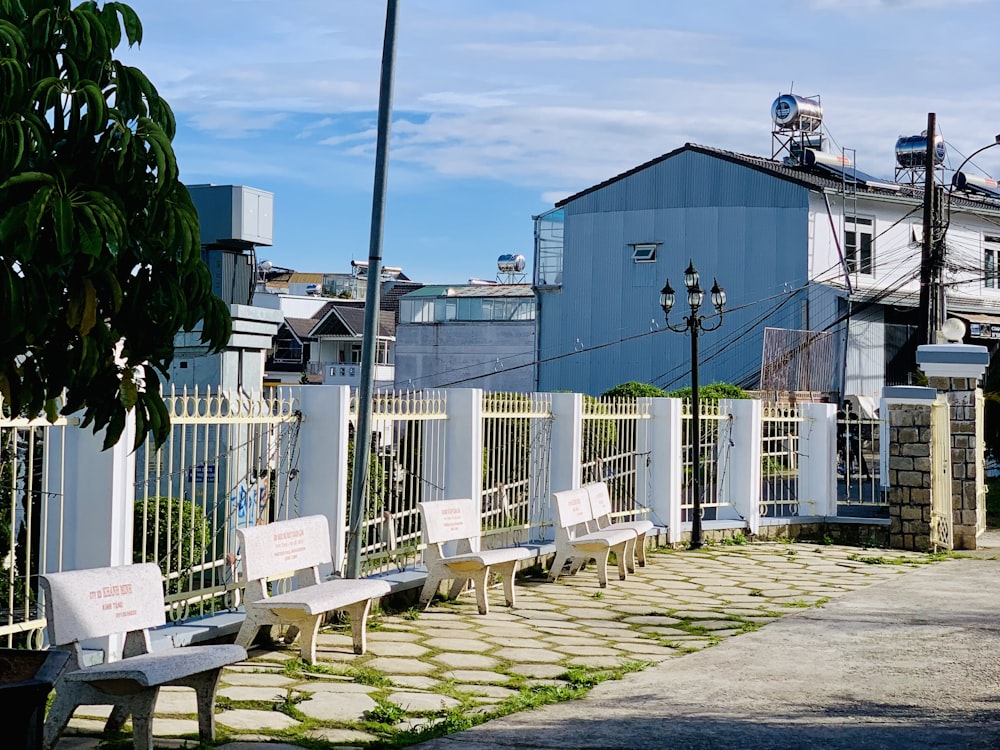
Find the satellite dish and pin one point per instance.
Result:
(953, 330)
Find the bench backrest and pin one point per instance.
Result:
(450, 520)
(284, 547)
(572, 507)
(91, 603)
(600, 499)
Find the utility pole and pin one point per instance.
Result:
(931, 305)
(363, 434)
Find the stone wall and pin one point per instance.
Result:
(909, 477)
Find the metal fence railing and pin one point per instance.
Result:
(713, 471)
(779, 495)
(32, 454)
(406, 467)
(517, 447)
(859, 466)
(610, 439)
(230, 461)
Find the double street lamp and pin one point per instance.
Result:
(692, 324)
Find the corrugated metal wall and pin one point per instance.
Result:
(605, 326)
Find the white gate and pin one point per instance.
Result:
(941, 516)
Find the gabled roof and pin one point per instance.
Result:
(300, 326)
(808, 177)
(341, 320)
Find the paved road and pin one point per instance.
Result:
(909, 663)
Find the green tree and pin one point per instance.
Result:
(633, 390)
(100, 258)
(711, 392)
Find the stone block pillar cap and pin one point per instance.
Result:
(953, 360)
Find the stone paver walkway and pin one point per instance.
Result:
(448, 662)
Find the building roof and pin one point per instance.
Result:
(473, 290)
(817, 177)
(341, 320)
(300, 326)
(305, 278)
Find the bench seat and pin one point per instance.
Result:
(297, 547)
(81, 605)
(578, 539)
(456, 523)
(150, 670)
(600, 505)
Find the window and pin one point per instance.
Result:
(645, 252)
(991, 253)
(858, 244)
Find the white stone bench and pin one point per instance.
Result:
(297, 547)
(458, 522)
(101, 602)
(600, 505)
(578, 539)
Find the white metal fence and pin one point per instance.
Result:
(610, 453)
(31, 519)
(407, 466)
(780, 429)
(230, 461)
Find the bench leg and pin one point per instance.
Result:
(506, 572)
(430, 588)
(359, 620)
(630, 556)
(249, 629)
(640, 550)
(205, 686)
(457, 586)
(602, 566)
(59, 715)
(557, 565)
(116, 721)
(308, 629)
(622, 555)
(479, 579)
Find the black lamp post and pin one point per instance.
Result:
(694, 323)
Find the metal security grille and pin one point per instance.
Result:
(941, 509)
(610, 437)
(779, 497)
(406, 466)
(798, 361)
(517, 443)
(32, 456)
(230, 461)
(712, 469)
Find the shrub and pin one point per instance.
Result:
(711, 392)
(633, 390)
(174, 533)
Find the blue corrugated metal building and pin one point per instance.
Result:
(797, 249)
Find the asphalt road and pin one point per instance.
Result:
(907, 664)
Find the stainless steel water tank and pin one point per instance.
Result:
(791, 112)
(911, 150)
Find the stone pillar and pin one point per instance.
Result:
(909, 415)
(966, 449)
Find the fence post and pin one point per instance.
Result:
(818, 458)
(566, 471)
(740, 453)
(463, 444)
(661, 447)
(99, 504)
(99, 501)
(323, 476)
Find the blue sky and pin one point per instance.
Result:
(503, 107)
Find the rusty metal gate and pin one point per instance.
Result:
(941, 516)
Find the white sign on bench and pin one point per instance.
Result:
(578, 540)
(458, 522)
(297, 547)
(100, 602)
(600, 505)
